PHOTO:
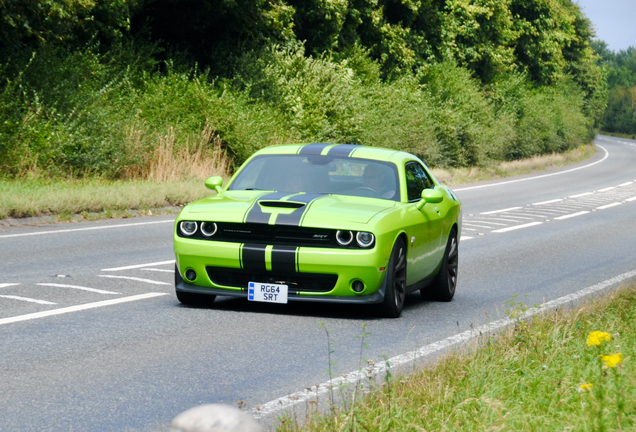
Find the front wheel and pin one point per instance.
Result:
(444, 284)
(395, 292)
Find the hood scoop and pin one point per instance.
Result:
(282, 204)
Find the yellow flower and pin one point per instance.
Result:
(612, 360)
(597, 337)
(585, 387)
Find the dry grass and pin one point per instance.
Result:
(459, 176)
(42, 198)
(197, 158)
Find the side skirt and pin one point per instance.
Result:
(419, 285)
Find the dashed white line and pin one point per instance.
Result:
(139, 266)
(464, 238)
(614, 204)
(581, 213)
(27, 299)
(625, 184)
(548, 202)
(515, 218)
(488, 222)
(516, 227)
(607, 189)
(581, 195)
(158, 270)
(95, 290)
(78, 308)
(86, 229)
(135, 279)
(631, 199)
(4, 285)
(475, 225)
(501, 211)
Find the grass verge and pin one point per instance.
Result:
(22, 198)
(567, 370)
(619, 135)
(512, 168)
(177, 180)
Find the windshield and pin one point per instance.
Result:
(320, 174)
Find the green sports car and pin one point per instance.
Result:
(336, 223)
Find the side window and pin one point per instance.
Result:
(416, 180)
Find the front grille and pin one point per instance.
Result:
(239, 278)
(273, 234)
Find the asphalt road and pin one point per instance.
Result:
(93, 339)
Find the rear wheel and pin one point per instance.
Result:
(191, 299)
(443, 286)
(395, 292)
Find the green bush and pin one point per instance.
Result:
(90, 113)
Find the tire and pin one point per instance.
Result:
(443, 286)
(191, 299)
(395, 293)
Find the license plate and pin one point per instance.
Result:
(267, 292)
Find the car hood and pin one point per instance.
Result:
(299, 209)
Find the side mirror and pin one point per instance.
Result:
(432, 196)
(215, 183)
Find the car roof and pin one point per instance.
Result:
(342, 150)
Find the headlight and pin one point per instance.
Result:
(188, 227)
(344, 237)
(208, 229)
(364, 239)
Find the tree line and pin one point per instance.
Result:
(620, 69)
(487, 79)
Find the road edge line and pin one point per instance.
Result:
(280, 406)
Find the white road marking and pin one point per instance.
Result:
(548, 202)
(468, 229)
(158, 270)
(537, 177)
(501, 211)
(516, 227)
(606, 189)
(27, 299)
(95, 290)
(581, 195)
(78, 308)
(614, 204)
(631, 199)
(4, 285)
(282, 405)
(86, 229)
(625, 184)
(581, 213)
(515, 219)
(136, 279)
(488, 221)
(475, 225)
(139, 266)
(463, 238)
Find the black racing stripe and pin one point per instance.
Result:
(284, 259)
(254, 257)
(293, 218)
(313, 149)
(342, 150)
(256, 214)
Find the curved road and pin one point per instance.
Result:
(93, 338)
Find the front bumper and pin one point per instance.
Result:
(231, 262)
